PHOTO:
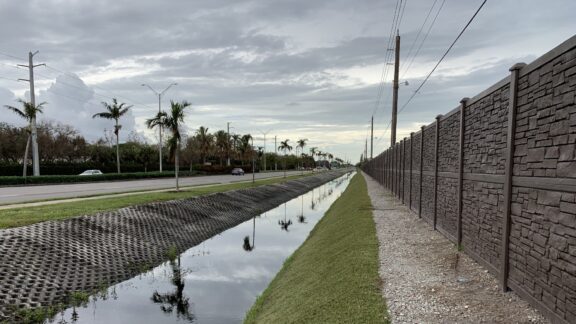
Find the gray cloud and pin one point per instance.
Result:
(303, 68)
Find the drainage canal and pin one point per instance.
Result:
(218, 280)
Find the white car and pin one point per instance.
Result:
(238, 171)
(91, 172)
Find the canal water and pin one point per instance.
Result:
(218, 280)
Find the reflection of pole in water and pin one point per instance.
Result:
(301, 217)
(285, 224)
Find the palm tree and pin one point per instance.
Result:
(172, 122)
(245, 147)
(223, 144)
(114, 111)
(285, 147)
(205, 141)
(301, 144)
(313, 152)
(29, 113)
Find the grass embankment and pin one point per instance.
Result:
(29, 215)
(333, 277)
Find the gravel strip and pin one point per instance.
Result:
(426, 280)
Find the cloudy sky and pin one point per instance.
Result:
(292, 68)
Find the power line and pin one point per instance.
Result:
(386, 58)
(425, 37)
(13, 56)
(418, 33)
(443, 56)
(397, 21)
(439, 61)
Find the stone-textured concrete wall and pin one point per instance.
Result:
(448, 143)
(515, 210)
(448, 148)
(543, 233)
(428, 167)
(485, 137)
(482, 208)
(416, 171)
(407, 158)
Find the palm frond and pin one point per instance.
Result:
(17, 111)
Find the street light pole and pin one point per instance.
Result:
(264, 133)
(159, 94)
(253, 168)
(228, 144)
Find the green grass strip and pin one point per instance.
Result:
(29, 215)
(333, 277)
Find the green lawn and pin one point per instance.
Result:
(333, 277)
(30, 215)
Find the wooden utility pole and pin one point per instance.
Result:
(372, 137)
(395, 88)
(33, 130)
(366, 150)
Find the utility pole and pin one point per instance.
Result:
(395, 89)
(276, 152)
(228, 146)
(33, 130)
(366, 150)
(159, 94)
(372, 137)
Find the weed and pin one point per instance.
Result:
(172, 253)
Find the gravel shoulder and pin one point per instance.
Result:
(425, 279)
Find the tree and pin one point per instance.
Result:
(313, 152)
(29, 113)
(205, 140)
(245, 148)
(301, 144)
(285, 147)
(114, 111)
(172, 121)
(222, 145)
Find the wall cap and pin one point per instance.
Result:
(464, 100)
(517, 66)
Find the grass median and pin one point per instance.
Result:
(333, 277)
(29, 215)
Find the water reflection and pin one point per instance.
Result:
(247, 246)
(218, 280)
(175, 300)
(284, 224)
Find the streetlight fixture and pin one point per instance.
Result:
(159, 94)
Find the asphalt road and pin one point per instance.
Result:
(10, 195)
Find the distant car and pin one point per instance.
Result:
(91, 172)
(237, 171)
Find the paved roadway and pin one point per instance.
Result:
(11, 195)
